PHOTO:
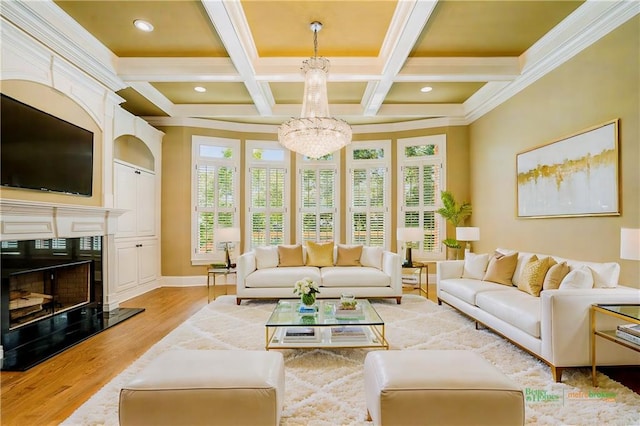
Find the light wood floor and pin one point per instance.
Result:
(50, 392)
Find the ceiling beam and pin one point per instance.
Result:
(177, 69)
(232, 28)
(459, 69)
(406, 26)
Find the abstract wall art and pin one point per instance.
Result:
(573, 176)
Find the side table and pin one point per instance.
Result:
(626, 312)
(419, 267)
(211, 280)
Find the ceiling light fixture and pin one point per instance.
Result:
(200, 89)
(315, 134)
(143, 25)
(426, 89)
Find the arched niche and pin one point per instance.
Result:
(132, 150)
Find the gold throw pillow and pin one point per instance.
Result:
(554, 276)
(320, 254)
(501, 269)
(349, 255)
(533, 275)
(290, 255)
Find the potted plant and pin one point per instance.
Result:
(455, 214)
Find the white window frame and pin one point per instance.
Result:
(352, 164)
(440, 159)
(303, 163)
(250, 163)
(197, 141)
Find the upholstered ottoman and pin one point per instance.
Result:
(197, 387)
(439, 388)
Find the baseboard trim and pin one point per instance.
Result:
(188, 281)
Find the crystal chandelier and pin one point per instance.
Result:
(315, 134)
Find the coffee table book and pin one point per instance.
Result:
(630, 329)
(628, 336)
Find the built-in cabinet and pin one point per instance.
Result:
(136, 241)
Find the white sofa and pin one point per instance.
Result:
(381, 279)
(554, 327)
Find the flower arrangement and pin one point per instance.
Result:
(306, 288)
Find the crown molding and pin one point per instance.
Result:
(49, 25)
(586, 25)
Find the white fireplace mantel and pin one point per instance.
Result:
(30, 220)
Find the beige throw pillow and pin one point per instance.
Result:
(266, 257)
(290, 255)
(554, 276)
(501, 268)
(371, 257)
(475, 265)
(349, 255)
(577, 279)
(533, 275)
(320, 254)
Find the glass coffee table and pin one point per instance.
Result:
(327, 327)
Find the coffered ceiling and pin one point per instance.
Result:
(247, 54)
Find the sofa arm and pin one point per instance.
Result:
(449, 269)
(564, 323)
(246, 264)
(391, 266)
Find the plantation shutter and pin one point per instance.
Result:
(318, 204)
(267, 209)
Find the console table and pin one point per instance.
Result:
(212, 273)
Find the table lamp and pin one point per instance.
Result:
(468, 234)
(630, 244)
(408, 235)
(226, 236)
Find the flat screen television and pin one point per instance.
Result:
(42, 152)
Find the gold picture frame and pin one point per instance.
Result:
(572, 176)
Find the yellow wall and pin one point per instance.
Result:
(597, 85)
(176, 185)
(57, 104)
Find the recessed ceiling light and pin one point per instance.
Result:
(426, 89)
(200, 89)
(143, 25)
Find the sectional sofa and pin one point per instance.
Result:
(265, 273)
(553, 324)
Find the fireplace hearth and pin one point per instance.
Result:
(51, 298)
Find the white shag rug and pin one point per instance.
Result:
(326, 387)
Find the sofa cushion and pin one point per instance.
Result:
(501, 268)
(338, 276)
(554, 276)
(349, 255)
(515, 307)
(372, 257)
(466, 289)
(266, 257)
(319, 254)
(523, 258)
(290, 255)
(475, 265)
(281, 277)
(533, 275)
(579, 278)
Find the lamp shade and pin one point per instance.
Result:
(467, 233)
(409, 234)
(630, 243)
(226, 235)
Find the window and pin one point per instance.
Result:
(421, 163)
(369, 193)
(215, 189)
(317, 188)
(268, 169)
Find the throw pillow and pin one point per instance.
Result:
(266, 257)
(320, 254)
(554, 276)
(475, 265)
(371, 257)
(349, 255)
(290, 255)
(533, 275)
(577, 279)
(501, 268)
